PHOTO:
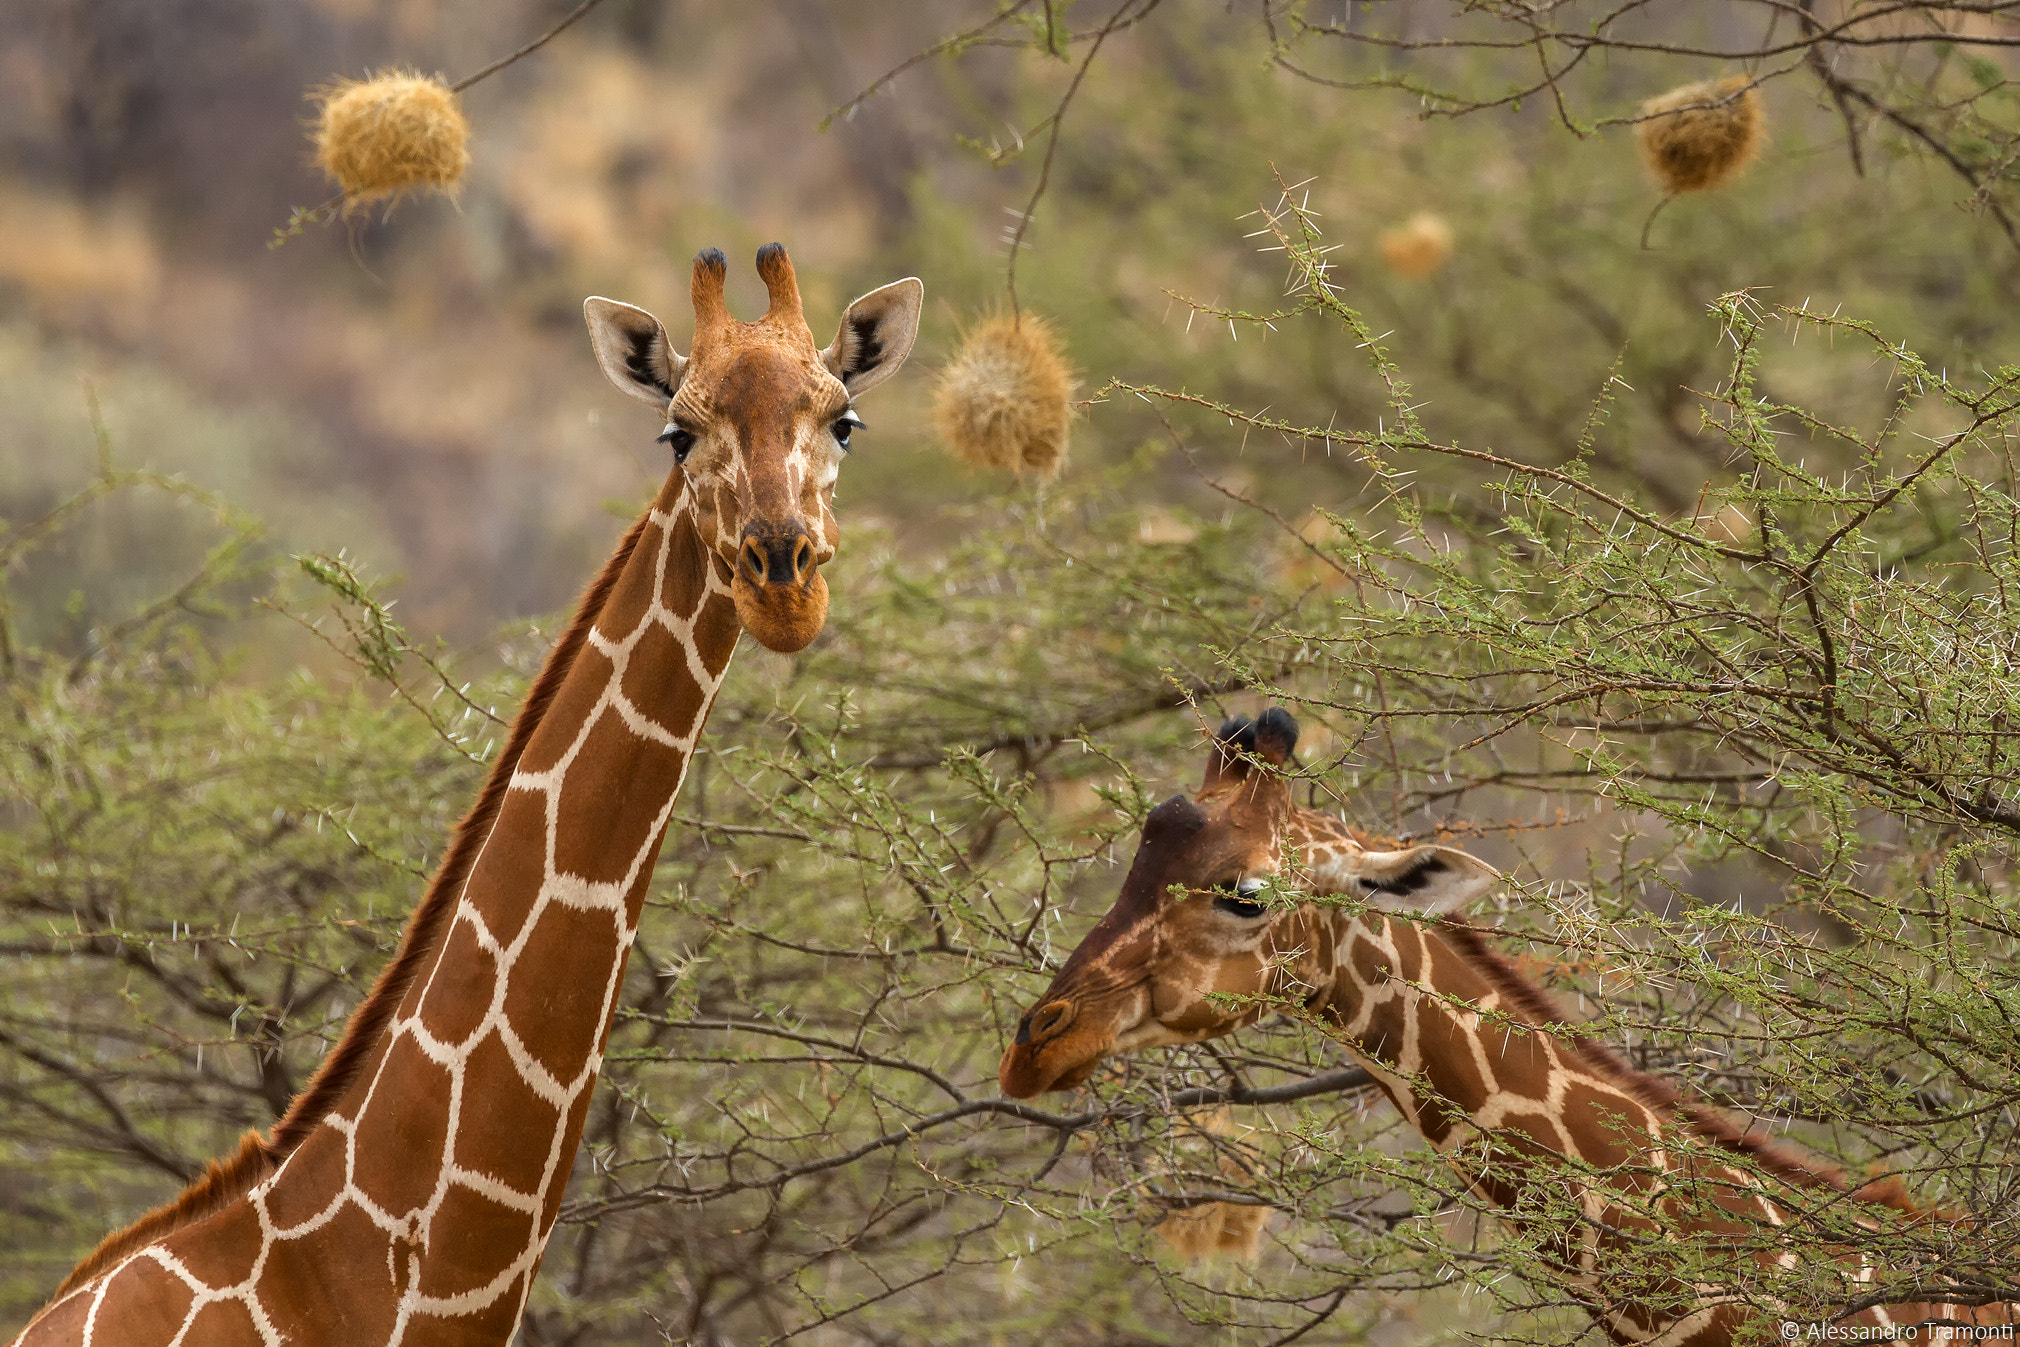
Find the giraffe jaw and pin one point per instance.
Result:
(783, 618)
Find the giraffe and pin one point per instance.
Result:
(1599, 1161)
(406, 1195)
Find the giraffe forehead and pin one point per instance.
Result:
(761, 387)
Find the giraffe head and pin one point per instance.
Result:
(758, 419)
(1192, 946)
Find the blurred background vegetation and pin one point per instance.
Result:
(215, 819)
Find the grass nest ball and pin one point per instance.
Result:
(1006, 399)
(1699, 137)
(1417, 247)
(391, 134)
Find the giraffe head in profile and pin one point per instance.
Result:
(759, 419)
(1475, 1057)
(1193, 948)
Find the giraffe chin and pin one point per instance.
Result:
(783, 618)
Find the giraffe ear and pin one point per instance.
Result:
(633, 349)
(1430, 880)
(876, 335)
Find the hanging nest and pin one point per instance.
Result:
(1699, 137)
(394, 133)
(1417, 247)
(1215, 1232)
(1006, 400)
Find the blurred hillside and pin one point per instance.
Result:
(415, 384)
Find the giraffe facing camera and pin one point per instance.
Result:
(758, 420)
(407, 1193)
(1476, 1058)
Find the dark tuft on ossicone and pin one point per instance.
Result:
(1236, 733)
(713, 259)
(1271, 736)
(1275, 729)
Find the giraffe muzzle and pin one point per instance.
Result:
(781, 596)
(1047, 1021)
(776, 560)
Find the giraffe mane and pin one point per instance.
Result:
(1788, 1163)
(225, 1181)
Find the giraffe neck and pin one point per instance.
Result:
(1465, 1048)
(417, 1206)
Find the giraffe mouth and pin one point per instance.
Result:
(782, 617)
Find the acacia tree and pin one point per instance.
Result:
(1715, 675)
(892, 841)
(1922, 78)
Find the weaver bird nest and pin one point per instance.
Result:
(1417, 247)
(1006, 400)
(1699, 137)
(389, 135)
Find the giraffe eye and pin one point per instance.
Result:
(846, 425)
(1237, 898)
(680, 439)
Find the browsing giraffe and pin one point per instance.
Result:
(407, 1194)
(1604, 1163)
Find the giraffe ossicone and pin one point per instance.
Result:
(407, 1194)
(1605, 1164)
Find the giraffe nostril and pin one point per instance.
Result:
(803, 558)
(752, 558)
(1047, 1021)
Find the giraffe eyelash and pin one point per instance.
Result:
(1237, 898)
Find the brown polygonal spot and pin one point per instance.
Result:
(459, 989)
(715, 631)
(313, 1177)
(506, 1136)
(571, 706)
(632, 594)
(1409, 942)
(1371, 966)
(1434, 1120)
(1520, 1060)
(334, 1285)
(507, 878)
(1531, 1133)
(1449, 971)
(65, 1322)
(146, 1301)
(220, 1250)
(470, 1241)
(1607, 1127)
(1387, 1023)
(612, 800)
(1446, 1049)
(557, 1008)
(403, 1131)
(659, 683)
(685, 579)
(224, 1323)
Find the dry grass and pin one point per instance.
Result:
(1699, 137)
(1006, 399)
(1417, 247)
(394, 133)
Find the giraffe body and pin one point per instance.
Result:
(408, 1194)
(1600, 1163)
